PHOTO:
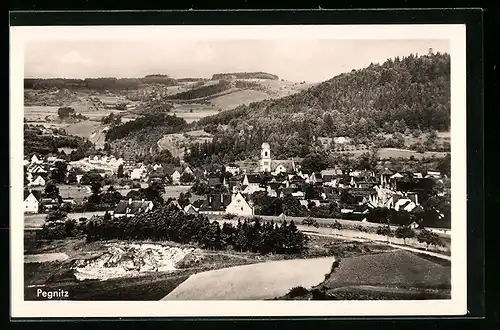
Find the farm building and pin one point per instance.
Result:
(32, 200)
(240, 206)
(131, 208)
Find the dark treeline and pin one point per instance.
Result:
(150, 121)
(428, 218)
(191, 79)
(202, 91)
(245, 75)
(100, 84)
(169, 224)
(401, 95)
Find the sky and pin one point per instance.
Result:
(303, 60)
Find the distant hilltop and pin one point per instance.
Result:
(245, 75)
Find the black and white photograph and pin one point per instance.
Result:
(206, 167)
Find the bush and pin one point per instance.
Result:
(297, 291)
(62, 229)
(336, 225)
(361, 228)
(310, 222)
(229, 216)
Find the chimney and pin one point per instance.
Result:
(222, 198)
(129, 201)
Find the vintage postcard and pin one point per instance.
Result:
(307, 170)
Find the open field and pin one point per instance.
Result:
(397, 268)
(174, 191)
(38, 113)
(391, 275)
(35, 221)
(253, 282)
(190, 117)
(235, 99)
(154, 285)
(83, 129)
(74, 191)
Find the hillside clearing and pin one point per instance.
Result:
(235, 99)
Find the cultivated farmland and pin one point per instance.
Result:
(399, 268)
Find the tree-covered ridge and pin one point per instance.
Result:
(149, 121)
(245, 75)
(43, 141)
(413, 90)
(202, 91)
(99, 84)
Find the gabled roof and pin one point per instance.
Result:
(213, 181)
(197, 203)
(134, 207)
(397, 176)
(287, 164)
(317, 176)
(36, 193)
(386, 171)
(253, 178)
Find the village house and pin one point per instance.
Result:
(216, 203)
(130, 208)
(187, 170)
(176, 177)
(49, 203)
(191, 209)
(174, 205)
(240, 206)
(38, 182)
(139, 173)
(32, 200)
(316, 178)
(214, 181)
(36, 160)
(233, 169)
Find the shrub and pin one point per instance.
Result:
(297, 291)
(336, 225)
(361, 228)
(229, 216)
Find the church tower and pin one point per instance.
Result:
(265, 158)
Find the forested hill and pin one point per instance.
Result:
(410, 92)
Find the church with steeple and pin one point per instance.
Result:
(265, 158)
(268, 165)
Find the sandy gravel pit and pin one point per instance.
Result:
(253, 282)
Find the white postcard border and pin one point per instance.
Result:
(49, 309)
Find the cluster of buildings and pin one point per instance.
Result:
(158, 172)
(38, 169)
(285, 178)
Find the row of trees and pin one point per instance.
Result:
(98, 84)
(170, 224)
(203, 91)
(424, 236)
(245, 75)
